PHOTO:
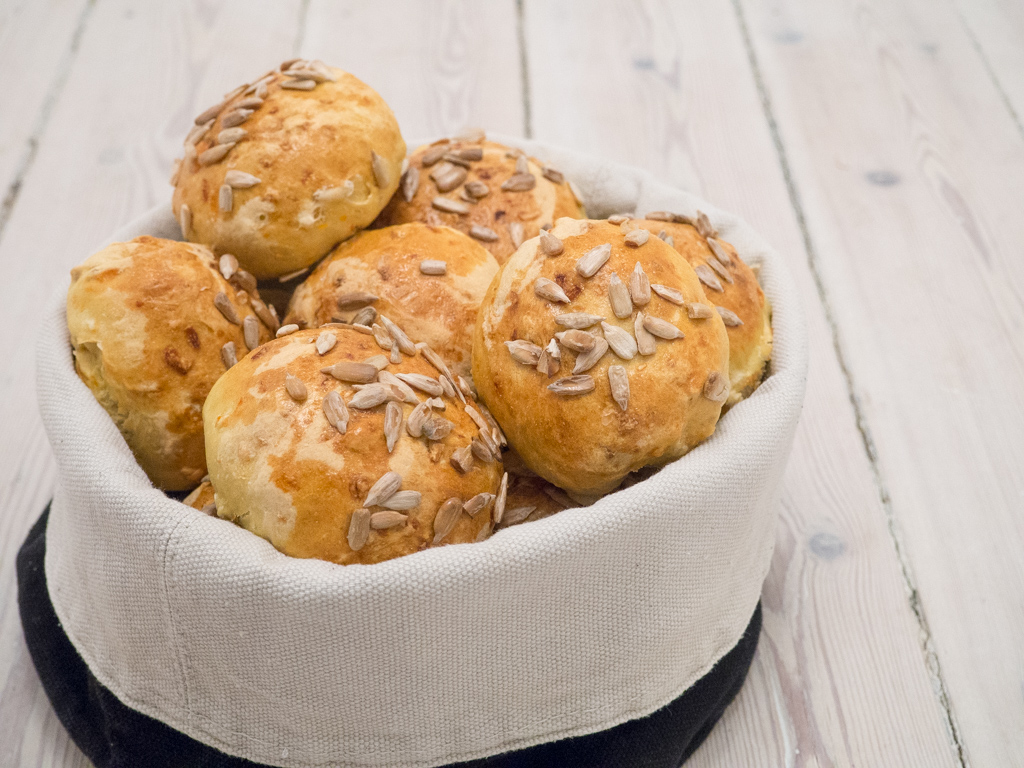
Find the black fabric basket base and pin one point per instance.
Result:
(114, 736)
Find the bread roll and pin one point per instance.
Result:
(149, 320)
(287, 167)
(295, 454)
(602, 408)
(747, 313)
(429, 280)
(491, 192)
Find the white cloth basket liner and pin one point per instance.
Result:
(558, 628)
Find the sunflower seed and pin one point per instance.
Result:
(405, 392)
(645, 341)
(719, 250)
(287, 277)
(628, 226)
(228, 355)
(668, 294)
(448, 176)
(231, 135)
(392, 424)
(251, 332)
(446, 518)
(223, 303)
(485, 437)
(723, 273)
(359, 529)
(228, 265)
(707, 277)
(355, 300)
(435, 153)
(466, 389)
(471, 136)
(401, 339)
(549, 290)
(210, 114)
(639, 286)
(482, 451)
(264, 314)
(377, 361)
(325, 342)
(185, 220)
(522, 351)
(261, 90)
(299, 85)
(661, 328)
(305, 73)
(225, 198)
(437, 403)
(618, 218)
(548, 364)
(522, 164)
(454, 159)
(433, 267)
(587, 360)
(519, 182)
(703, 225)
(577, 341)
(296, 389)
(573, 385)
(555, 177)
(637, 237)
(577, 320)
(437, 428)
(422, 382)
(499, 501)
(364, 316)
(352, 372)
(382, 337)
(671, 241)
(380, 169)
(214, 154)
(448, 387)
(730, 318)
(477, 504)
(550, 245)
(479, 420)
(387, 486)
(622, 342)
(593, 260)
(462, 459)
(477, 189)
(285, 330)
(448, 205)
(381, 521)
(697, 311)
(618, 380)
(485, 234)
(485, 532)
(410, 183)
(618, 297)
(196, 134)
(418, 417)
(472, 154)
(716, 388)
(240, 179)
(517, 515)
(252, 102)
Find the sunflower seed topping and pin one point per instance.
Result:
(261, 89)
(214, 154)
(263, 313)
(231, 135)
(388, 518)
(573, 385)
(661, 328)
(235, 117)
(555, 177)
(223, 303)
(519, 182)
(359, 529)
(477, 189)
(499, 501)
(593, 260)
(697, 311)
(287, 277)
(618, 297)
(486, 234)
(410, 183)
(285, 330)
(577, 320)
(587, 360)
(716, 388)
(703, 225)
(210, 114)
(719, 250)
(477, 504)
(296, 389)
(370, 396)
(355, 300)
(185, 220)
(336, 411)
(240, 179)
(382, 337)
(730, 318)
(479, 420)
(422, 382)
(618, 218)
(645, 341)
(707, 277)
(228, 355)
(522, 164)
(299, 85)
(244, 281)
(668, 294)
(549, 290)
(448, 176)
(251, 102)
(621, 342)
(618, 380)
(550, 245)
(351, 372)
(225, 198)
(228, 265)
(392, 424)
(455, 159)
(418, 417)
(433, 267)
(364, 316)
(547, 363)
(524, 352)
(325, 342)
(462, 459)
(197, 133)
(446, 518)
(465, 389)
(723, 273)
(437, 428)
(251, 332)
(387, 486)
(639, 286)
(448, 205)
(380, 169)
(401, 339)
(637, 237)
(435, 153)
(377, 361)
(481, 450)
(577, 341)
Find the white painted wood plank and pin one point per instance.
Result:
(997, 31)
(911, 174)
(35, 52)
(103, 159)
(840, 677)
(442, 65)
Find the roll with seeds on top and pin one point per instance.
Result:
(731, 287)
(319, 444)
(287, 167)
(591, 374)
(491, 192)
(429, 280)
(153, 325)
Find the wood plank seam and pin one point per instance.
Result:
(987, 64)
(930, 657)
(524, 70)
(43, 118)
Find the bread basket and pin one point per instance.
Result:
(558, 628)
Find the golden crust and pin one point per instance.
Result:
(437, 309)
(311, 151)
(543, 205)
(585, 443)
(750, 344)
(147, 340)
(283, 472)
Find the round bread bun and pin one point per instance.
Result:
(287, 167)
(501, 219)
(148, 339)
(282, 468)
(389, 263)
(586, 443)
(750, 331)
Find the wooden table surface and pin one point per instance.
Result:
(878, 144)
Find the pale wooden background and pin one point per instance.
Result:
(877, 143)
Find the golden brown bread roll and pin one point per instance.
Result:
(489, 191)
(621, 393)
(437, 307)
(149, 320)
(295, 454)
(287, 167)
(732, 287)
